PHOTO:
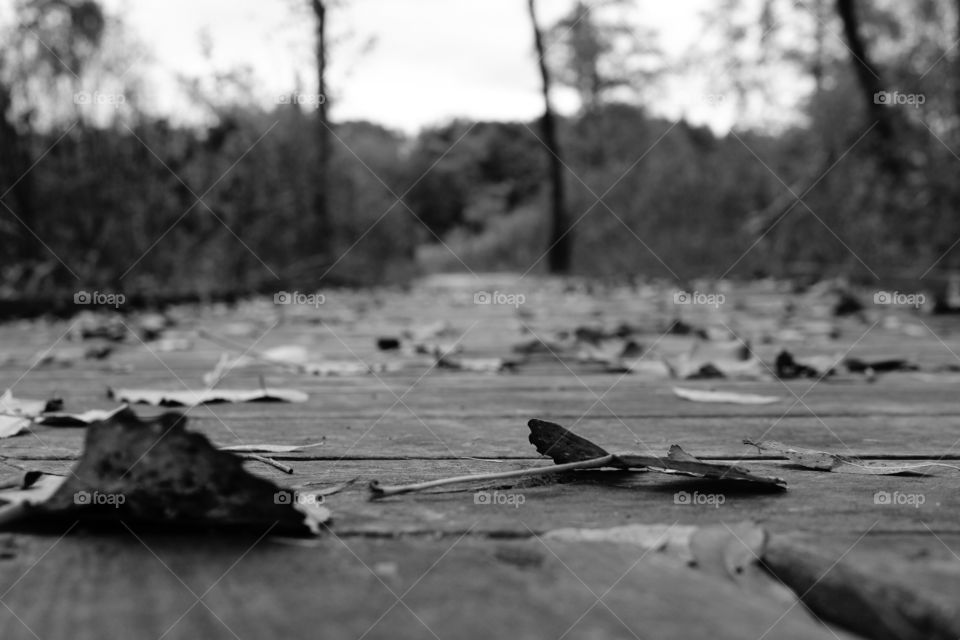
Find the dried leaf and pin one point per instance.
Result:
(560, 444)
(826, 461)
(191, 398)
(700, 395)
(269, 448)
(64, 419)
(337, 368)
(16, 414)
(788, 367)
(478, 365)
(856, 365)
(155, 472)
(565, 446)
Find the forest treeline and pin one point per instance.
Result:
(860, 180)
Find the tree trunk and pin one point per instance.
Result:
(559, 254)
(15, 183)
(956, 68)
(867, 74)
(321, 203)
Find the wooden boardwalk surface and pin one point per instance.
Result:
(440, 565)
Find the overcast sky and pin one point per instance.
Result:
(431, 60)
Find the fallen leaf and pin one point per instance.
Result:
(270, 448)
(207, 396)
(478, 365)
(788, 367)
(856, 365)
(826, 461)
(388, 343)
(337, 368)
(564, 446)
(63, 419)
(16, 414)
(155, 472)
(436, 349)
(701, 395)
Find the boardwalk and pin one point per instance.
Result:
(442, 565)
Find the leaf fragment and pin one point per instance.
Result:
(837, 463)
(191, 398)
(565, 446)
(155, 472)
(729, 397)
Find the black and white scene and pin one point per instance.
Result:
(472, 319)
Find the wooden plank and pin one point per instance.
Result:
(402, 433)
(355, 587)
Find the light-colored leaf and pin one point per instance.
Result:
(336, 368)
(190, 398)
(16, 414)
(730, 397)
(270, 448)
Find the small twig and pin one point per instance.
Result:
(379, 491)
(267, 461)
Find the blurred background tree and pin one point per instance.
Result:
(815, 177)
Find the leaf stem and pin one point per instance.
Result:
(381, 491)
